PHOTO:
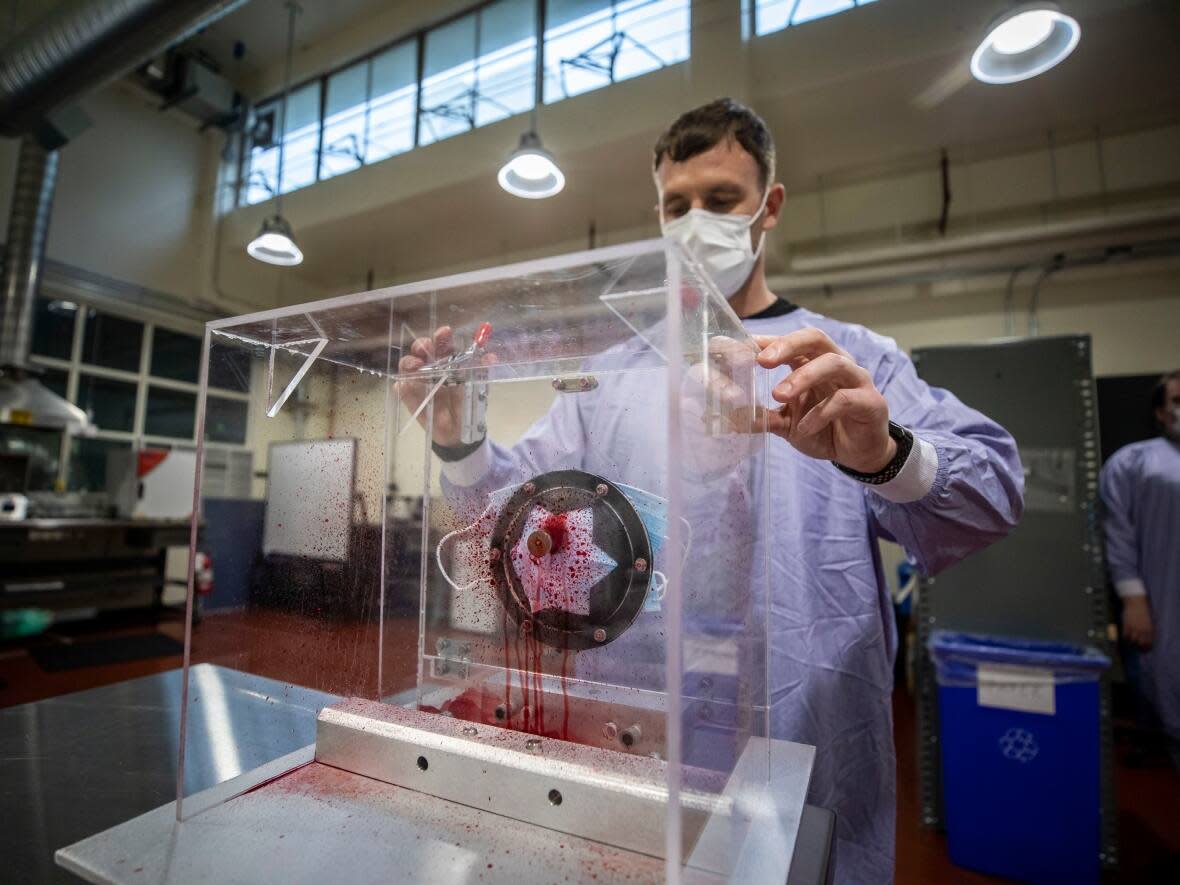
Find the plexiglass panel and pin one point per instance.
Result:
(588, 573)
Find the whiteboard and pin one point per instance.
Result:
(309, 494)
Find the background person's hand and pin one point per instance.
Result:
(448, 401)
(830, 407)
(1138, 628)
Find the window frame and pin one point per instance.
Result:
(750, 17)
(418, 38)
(142, 378)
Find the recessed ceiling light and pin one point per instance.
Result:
(1024, 42)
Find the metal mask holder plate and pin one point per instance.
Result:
(615, 600)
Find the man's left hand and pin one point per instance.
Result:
(830, 407)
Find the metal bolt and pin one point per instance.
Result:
(601, 489)
(600, 635)
(631, 736)
(529, 488)
(540, 543)
(470, 730)
(533, 745)
(610, 731)
(641, 564)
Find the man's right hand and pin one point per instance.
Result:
(448, 400)
(1137, 625)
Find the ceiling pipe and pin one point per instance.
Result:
(991, 252)
(82, 45)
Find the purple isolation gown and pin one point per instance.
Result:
(832, 634)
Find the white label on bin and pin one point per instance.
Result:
(1028, 689)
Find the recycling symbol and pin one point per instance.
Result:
(1019, 745)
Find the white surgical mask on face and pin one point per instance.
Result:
(720, 242)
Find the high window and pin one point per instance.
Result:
(775, 15)
(473, 70)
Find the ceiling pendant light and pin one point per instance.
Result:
(1026, 41)
(531, 172)
(275, 243)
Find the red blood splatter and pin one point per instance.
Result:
(556, 527)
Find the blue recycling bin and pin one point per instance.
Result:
(1021, 758)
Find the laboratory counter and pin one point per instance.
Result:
(78, 764)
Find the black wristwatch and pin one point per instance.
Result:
(905, 444)
(456, 453)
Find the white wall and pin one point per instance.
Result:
(135, 200)
(1130, 311)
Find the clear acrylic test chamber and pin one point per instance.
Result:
(582, 595)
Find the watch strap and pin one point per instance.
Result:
(905, 444)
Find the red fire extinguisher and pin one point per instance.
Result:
(203, 574)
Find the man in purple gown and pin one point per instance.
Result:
(862, 449)
(1140, 488)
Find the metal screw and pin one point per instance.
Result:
(641, 564)
(610, 731)
(631, 736)
(470, 730)
(533, 745)
(600, 635)
(601, 489)
(529, 488)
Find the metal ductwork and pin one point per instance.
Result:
(80, 46)
(24, 250)
(23, 400)
(84, 44)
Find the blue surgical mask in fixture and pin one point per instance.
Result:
(652, 511)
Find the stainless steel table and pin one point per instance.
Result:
(75, 765)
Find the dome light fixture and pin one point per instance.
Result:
(1024, 42)
(531, 172)
(275, 243)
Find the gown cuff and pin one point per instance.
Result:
(916, 476)
(1127, 587)
(469, 470)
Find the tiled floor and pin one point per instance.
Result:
(282, 646)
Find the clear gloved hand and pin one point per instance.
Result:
(448, 398)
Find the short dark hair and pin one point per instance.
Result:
(1161, 388)
(700, 129)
